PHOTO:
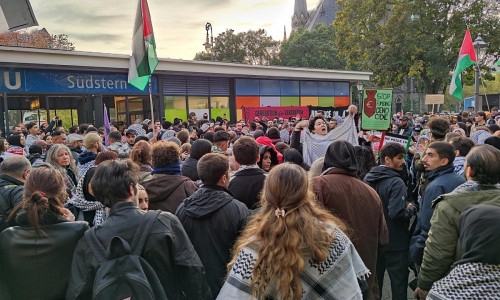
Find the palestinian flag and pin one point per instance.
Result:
(143, 61)
(466, 58)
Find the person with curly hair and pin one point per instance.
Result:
(292, 248)
(167, 188)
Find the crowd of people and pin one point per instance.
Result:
(262, 209)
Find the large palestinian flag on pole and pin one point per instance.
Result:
(143, 61)
(466, 58)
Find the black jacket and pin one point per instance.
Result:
(392, 191)
(213, 220)
(167, 249)
(189, 168)
(406, 131)
(38, 267)
(11, 194)
(246, 186)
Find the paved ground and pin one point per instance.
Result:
(386, 294)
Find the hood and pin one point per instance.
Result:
(86, 157)
(274, 156)
(264, 140)
(206, 201)
(380, 173)
(340, 154)
(162, 185)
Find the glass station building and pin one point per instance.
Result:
(37, 84)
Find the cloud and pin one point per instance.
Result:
(96, 37)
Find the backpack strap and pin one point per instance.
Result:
(142, 232)
(95, 245)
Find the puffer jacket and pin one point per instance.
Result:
(442, 180)
(167, 249)
(11, 194)
(443, 247)
(38, 267)
(213, 220)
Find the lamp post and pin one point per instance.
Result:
(359, 86)
(480, 49)
(209, 43)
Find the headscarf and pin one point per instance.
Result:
(294, 156)
(264, 140)
(479, 231)
(340, 154)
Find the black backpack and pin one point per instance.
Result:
(123, 274)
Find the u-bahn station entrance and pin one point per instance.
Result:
(38, 84)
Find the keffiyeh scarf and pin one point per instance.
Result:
(335, 278)
(314, 146)
(83, 204)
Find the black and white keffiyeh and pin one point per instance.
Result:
(83, 204)
(335, 278)
(314, 146)
(468, 281)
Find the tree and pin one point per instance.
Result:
(397, 39)
(38, 38)
(311, 48)
(251, 47)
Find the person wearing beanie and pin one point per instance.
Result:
(354, 202)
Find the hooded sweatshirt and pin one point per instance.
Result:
(213, 220)
(167, 191)
(392, 191)
(85, 160)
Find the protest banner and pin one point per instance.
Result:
(329, 112)
(376, 111)
(269, 112)
(388, 137)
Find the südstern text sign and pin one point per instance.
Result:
(376, 109)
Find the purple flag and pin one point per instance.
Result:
(107, 127)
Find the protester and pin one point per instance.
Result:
(58, 137)
(294, 156)
(35, 257)
(348, 198)
(35, 154)
(404, 129)
(14, 171)
(281, 147)
(167, 188)
(462, 147)
(317, 167)
(316, 138)
(291, 247)
(442, 248)
(115, 144)
(16, 144)
(440, 173)
(4, 145)
(60, 158)
(247, 182)
(141, 154)
(366, 160)
(130, 136)
(212, 218)
(198, 149)
(477, 274)
(33, 133)
(93, 145)
(221, 142)
(387, 181)
(142, 198)
(167, 248)
(75, 143)
(268, 155)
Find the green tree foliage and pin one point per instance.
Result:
(397, 39)
(311, 48)
(251, 47)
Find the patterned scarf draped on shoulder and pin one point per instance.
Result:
(335, 278)
(314, 146)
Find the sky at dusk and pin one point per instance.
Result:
(179, 25)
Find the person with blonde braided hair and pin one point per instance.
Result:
(292, 248)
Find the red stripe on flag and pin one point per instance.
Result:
(147, 25)
(467, 47)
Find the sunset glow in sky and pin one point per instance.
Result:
(179, 25)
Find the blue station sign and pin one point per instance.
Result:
(29, 80)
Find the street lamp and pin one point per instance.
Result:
(480, 49)
(359, 86)
(209, 43)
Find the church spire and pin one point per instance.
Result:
(300, 14)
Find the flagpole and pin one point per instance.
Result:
(151, 103)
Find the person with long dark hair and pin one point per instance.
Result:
(35, 257)
(292, 245)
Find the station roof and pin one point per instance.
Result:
(18, 57)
